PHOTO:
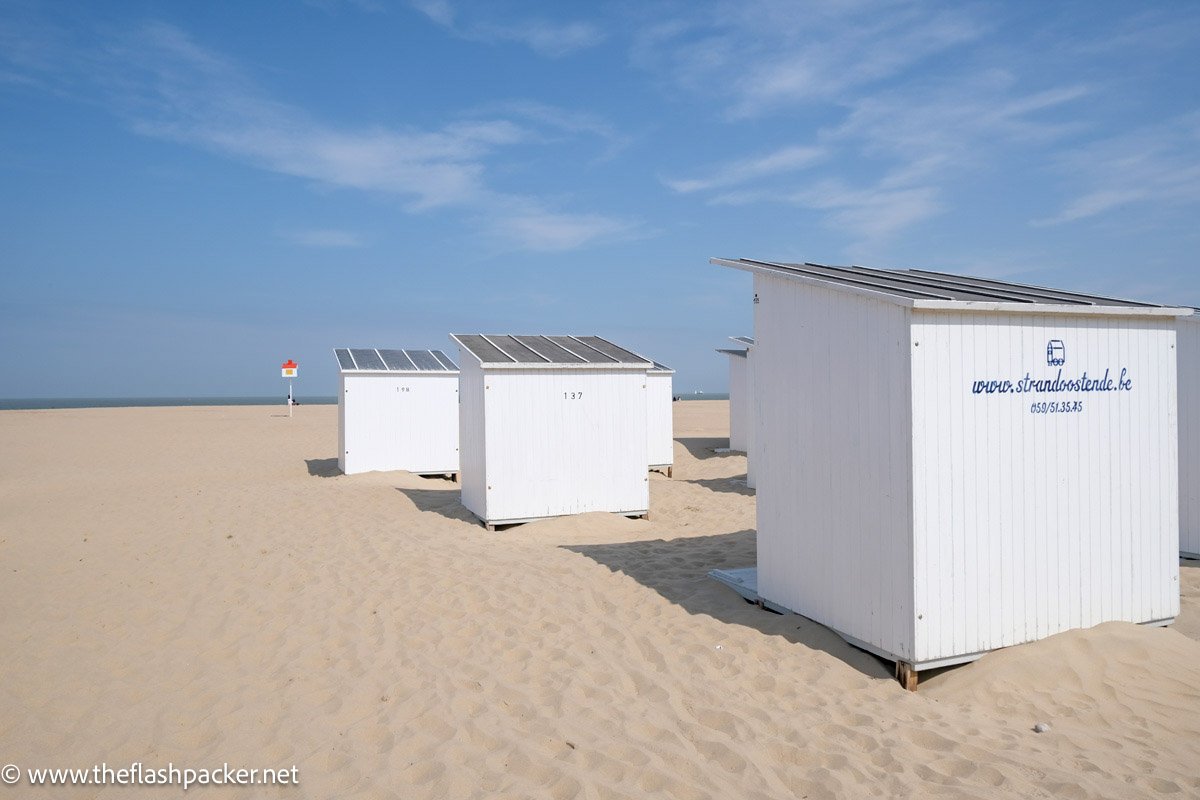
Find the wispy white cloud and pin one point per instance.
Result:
(371, 6)
(932, 129)
(874, 213)
(911, 141)
(556, 122)
(538, 229)
(771, 165)
(766, 55)
(170, 87)
(324, 238)
(917, 103)
(1159, 163)
(546, 37)
(866, 214)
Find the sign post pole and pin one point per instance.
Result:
(290, 369)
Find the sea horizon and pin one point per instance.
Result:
(49, 403)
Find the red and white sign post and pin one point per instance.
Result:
(290, 370)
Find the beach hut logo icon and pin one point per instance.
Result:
(1056, 353)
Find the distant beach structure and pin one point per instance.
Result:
(1188, 347)
(948, 465)
(740, 389)
(552, 425)
(397, 409)
(747, 406)
(660, 422)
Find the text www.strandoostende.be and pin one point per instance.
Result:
(137, 774)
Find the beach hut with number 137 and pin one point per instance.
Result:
(551, 425)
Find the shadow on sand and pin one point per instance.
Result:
(322, 467)
(701, 447)
(678, 570)
(736, 485)
(445, 502)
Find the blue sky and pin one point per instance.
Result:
(193, 192)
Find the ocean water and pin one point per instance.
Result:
(702, 396)
(136, 402)
(25, 403)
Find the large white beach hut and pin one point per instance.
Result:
(660, 422)
(551, 425)
(1188, 336)
(950, 465)
(397, 409)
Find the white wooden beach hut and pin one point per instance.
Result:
(748, 407)
(741, 401)
(551, 425)
(1188, 336)
(397, 409)
(950, 465)
(739, 396)
(660, 422)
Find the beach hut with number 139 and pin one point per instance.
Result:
(947, 465)
(397, 410)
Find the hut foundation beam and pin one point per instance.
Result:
(906, 675)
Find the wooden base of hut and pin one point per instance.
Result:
(906, 675)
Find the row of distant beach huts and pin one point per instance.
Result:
(948, 465)
(943, 465)
(533, 426)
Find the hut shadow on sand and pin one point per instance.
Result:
(736, 485)
(702, 447)
(323, 467)
(678, 570)
(445, 502)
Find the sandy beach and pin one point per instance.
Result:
(201, 585)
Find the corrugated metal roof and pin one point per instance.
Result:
(728, 352)
(661, 369)
(536, 351)
(368, 359)
(930, 289)
(746, 340)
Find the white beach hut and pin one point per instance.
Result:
(660, 423)
(741, 401)
(397, 409)
(748, 407)
(551, 425)
(1188, 336)
(739, 397)
(950, 465)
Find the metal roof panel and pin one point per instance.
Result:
(542, 351)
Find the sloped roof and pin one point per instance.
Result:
(927, 289)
